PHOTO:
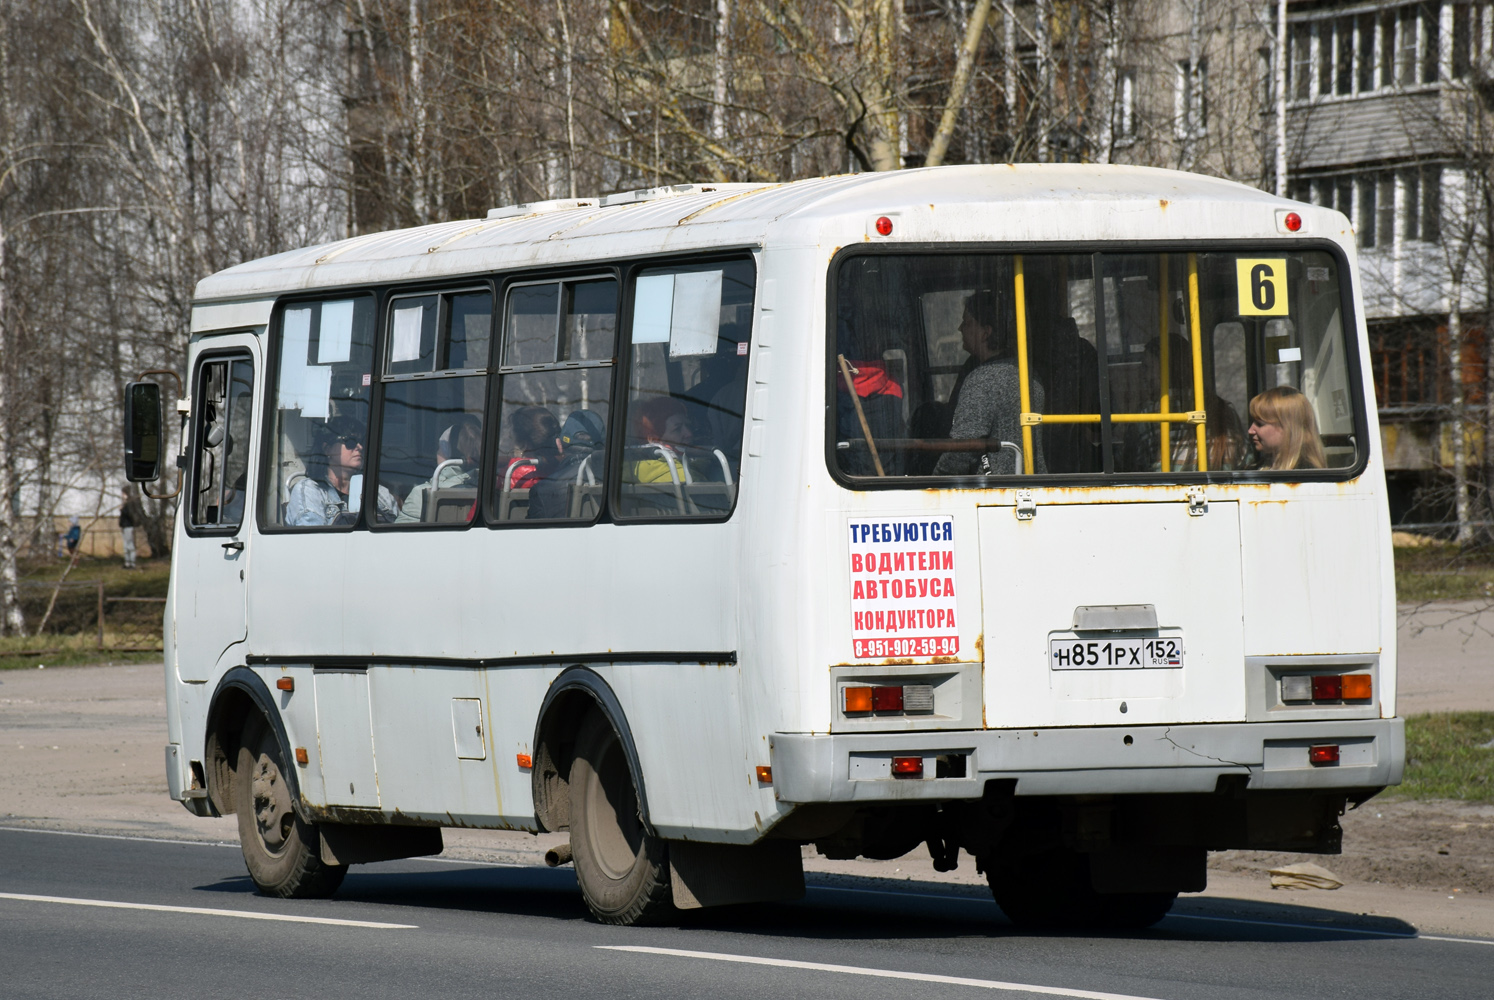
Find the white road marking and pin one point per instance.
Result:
(1332, 928)
(119, 836)
(851, 970)
(203, 911)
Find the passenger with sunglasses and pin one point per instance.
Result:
(323, 499)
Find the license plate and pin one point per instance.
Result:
(1150, 652)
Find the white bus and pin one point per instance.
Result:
(1033, 512)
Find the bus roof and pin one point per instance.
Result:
(961, 203)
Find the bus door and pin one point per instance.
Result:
(213, 559)
(1111, 613)
(1125, 607)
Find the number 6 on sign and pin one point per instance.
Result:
(1262, 285)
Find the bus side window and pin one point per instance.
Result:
(225, 397)
(320, 407)
(687, 388)
(435, 391)
(559, 343)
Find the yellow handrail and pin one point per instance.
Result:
(1166, 404)
(1020, 287)
(1198, 372)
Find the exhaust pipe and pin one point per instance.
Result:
(557, 856)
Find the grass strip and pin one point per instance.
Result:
(1449, 755)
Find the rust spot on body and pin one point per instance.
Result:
(1162, 202)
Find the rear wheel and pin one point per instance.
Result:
(281, 851)
(1052, 891)
(623, 872)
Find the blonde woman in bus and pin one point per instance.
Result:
(1284, 431)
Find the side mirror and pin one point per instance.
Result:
(142, 432)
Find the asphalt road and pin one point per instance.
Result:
(436, 928)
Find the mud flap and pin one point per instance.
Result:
(720, 874)
(353, 845)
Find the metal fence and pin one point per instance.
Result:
(115, 622)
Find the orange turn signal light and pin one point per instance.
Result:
(286, 683)
(301, 757)
(858, 699)
(765, 774)
(1358, 687)
(525, 761)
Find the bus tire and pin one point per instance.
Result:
(1052, 891)
(622, 870)
(281, 850)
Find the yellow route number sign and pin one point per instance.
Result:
(1262, 285)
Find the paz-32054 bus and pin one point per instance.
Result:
(1030, 512)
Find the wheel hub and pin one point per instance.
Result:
(272, 805)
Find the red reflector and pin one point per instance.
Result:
(887, 699)
(525, 761)
(1327, 687)
(858, 699)
(1293, 222)
(884, 226)
(1323, 753)
(1358, 687)
(907, 767)
(765, 774)
(286, 683)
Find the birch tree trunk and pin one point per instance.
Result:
(1043, 99)
(969, 48)
(720, 70)
(1458, 422)
(12, 620)
(418, 115)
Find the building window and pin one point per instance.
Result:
(1431, 203)
(1384, 221)
(1431, 48)
(1190, 100)
(1367, 212)
(1299, 83)
(1387, 48)
(1325, 57)
(1411, 204)
(1405, 47)
(1343, 81)
(1366, 24)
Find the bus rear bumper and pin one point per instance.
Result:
(857, 767)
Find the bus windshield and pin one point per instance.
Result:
(1114, 364)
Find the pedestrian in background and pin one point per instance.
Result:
(127, 529)
(73, 536)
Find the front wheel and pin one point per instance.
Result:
(281, 851)
(622, 870)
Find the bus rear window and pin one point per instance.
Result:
(1128, 364)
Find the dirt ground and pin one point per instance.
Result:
(81, 750)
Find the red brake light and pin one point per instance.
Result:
(908, 767)
(884, 226)
(1293, 222)
(1323, 753)
(1327, 687)
(887, 699)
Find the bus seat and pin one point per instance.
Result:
(586, 500)
(451, 506)
(513, 505)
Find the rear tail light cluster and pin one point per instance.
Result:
(901, 699)
(1327, 687)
